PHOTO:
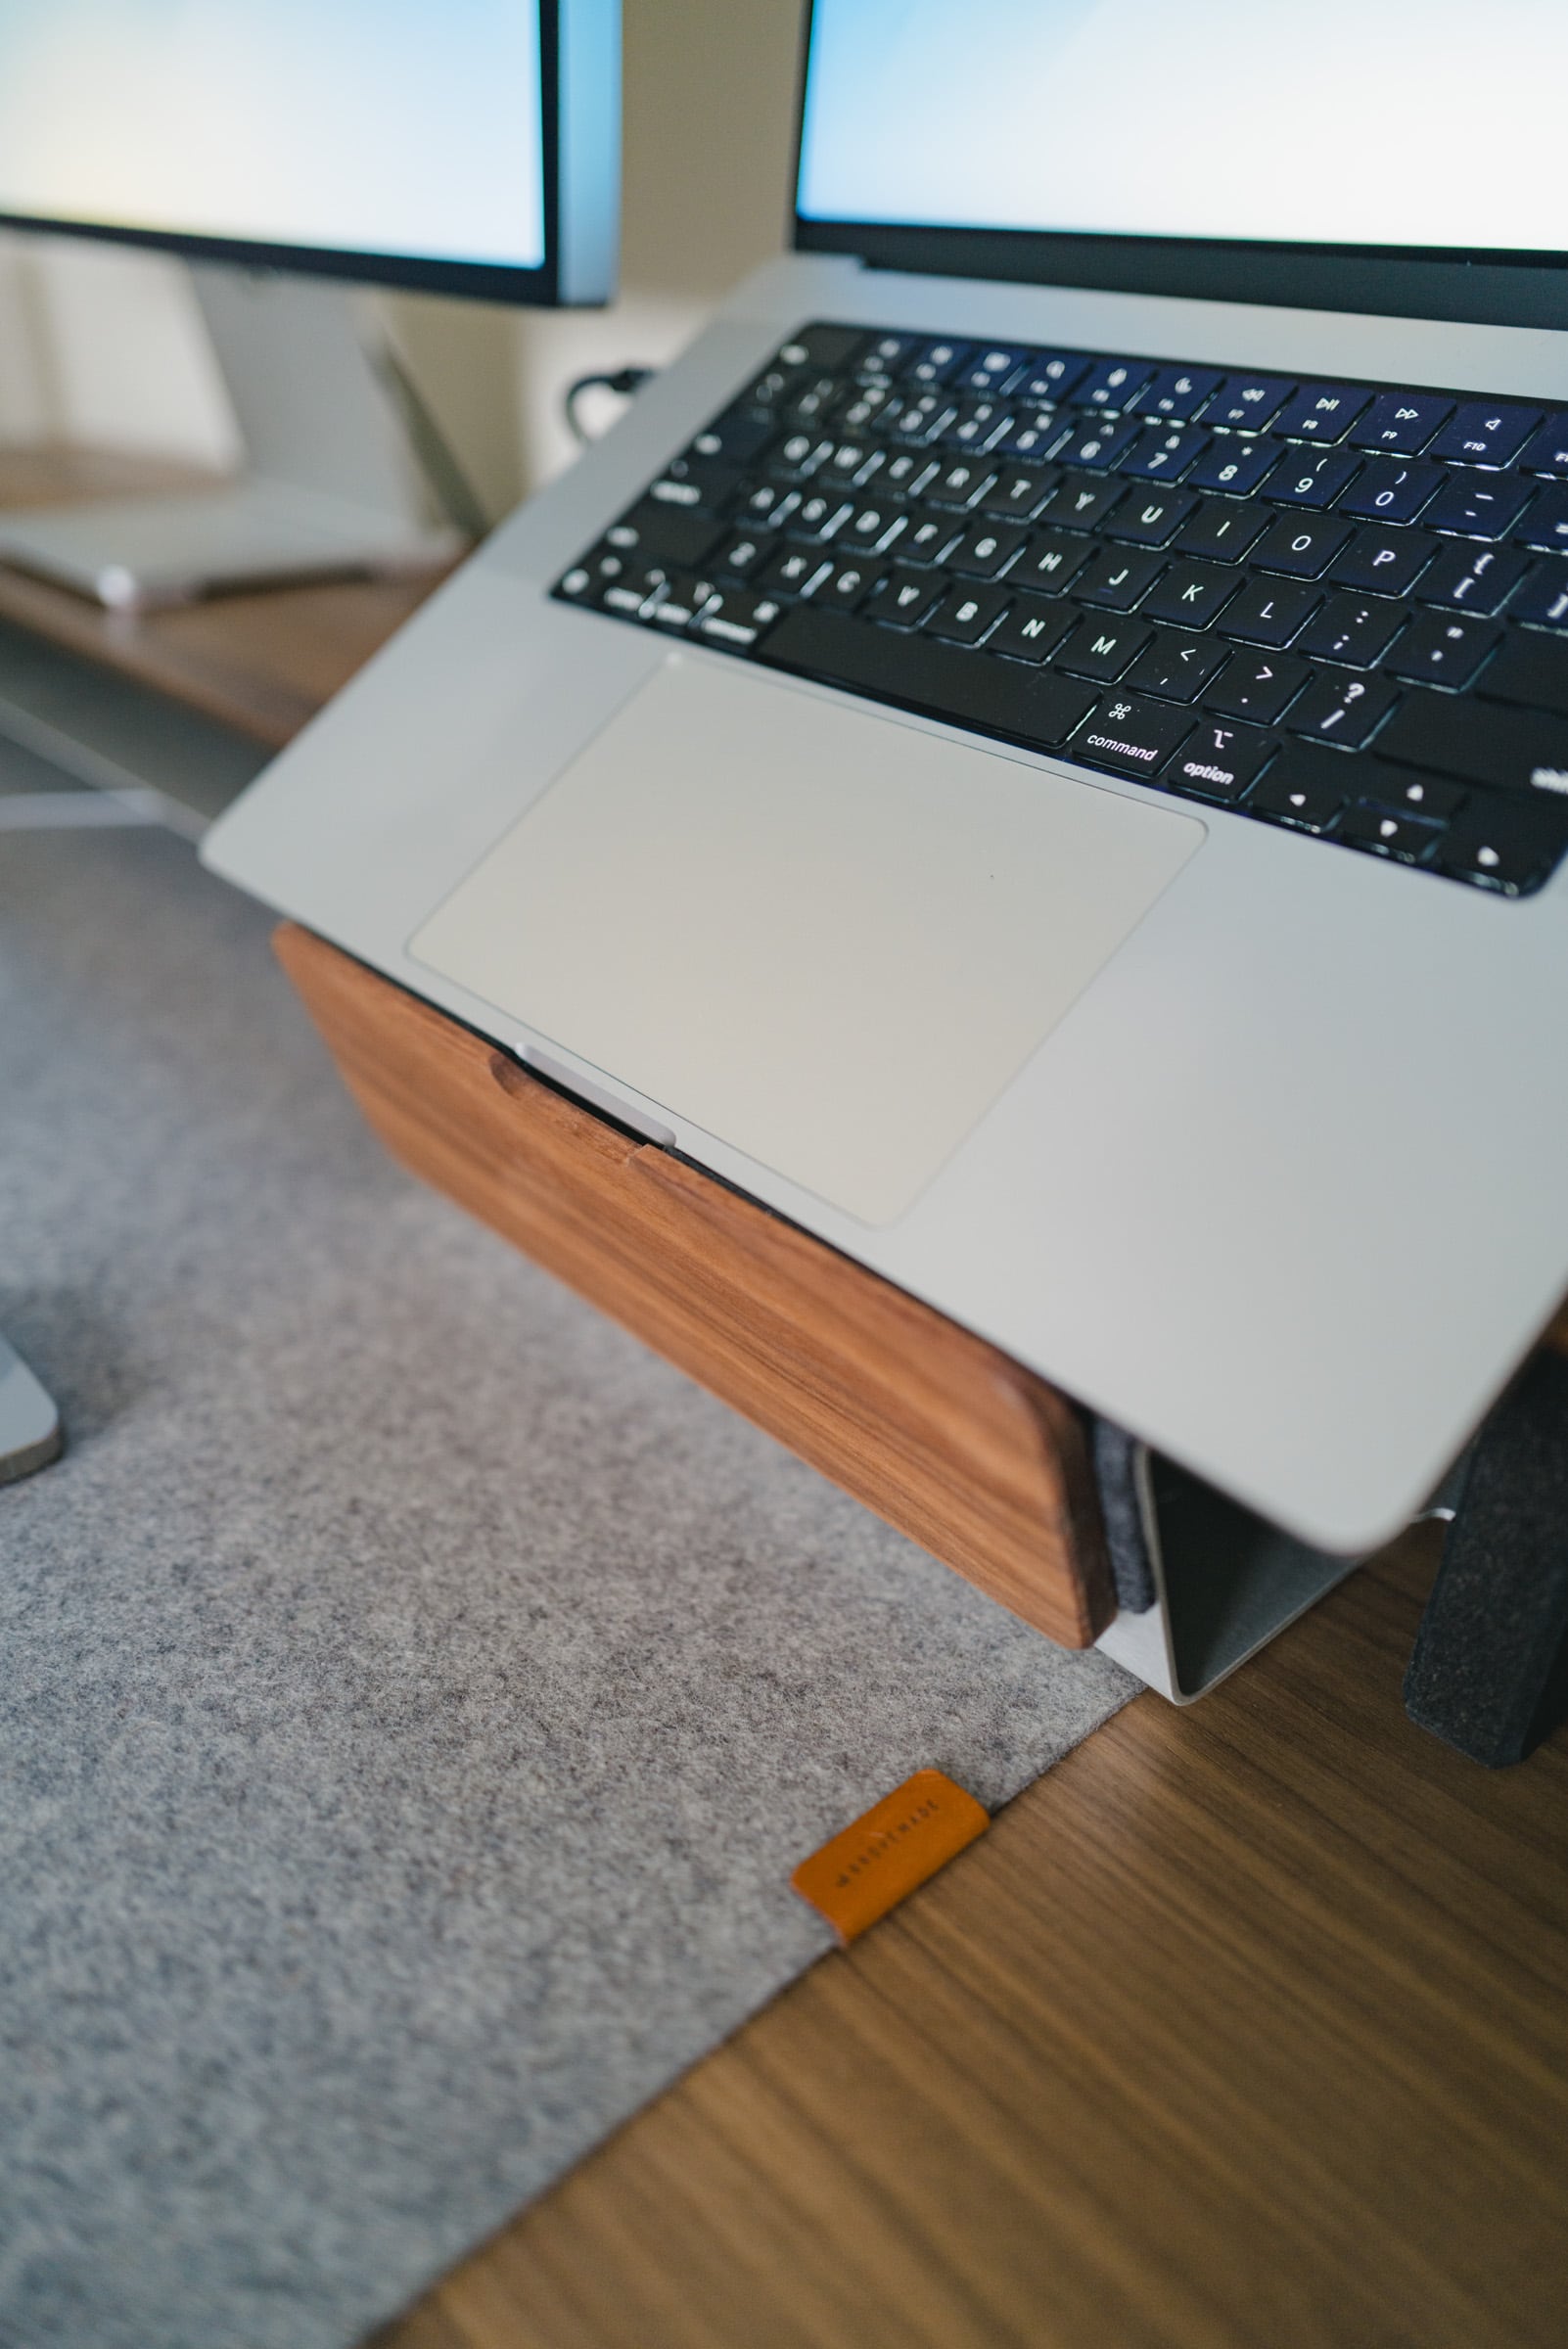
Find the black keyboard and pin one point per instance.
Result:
(1340, 608)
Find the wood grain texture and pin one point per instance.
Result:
(263, 662)
(1246, 2027)
(947, 1439)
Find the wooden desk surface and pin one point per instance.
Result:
(262, 662)
(1245, 2028)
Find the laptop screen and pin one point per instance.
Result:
(1356, 122)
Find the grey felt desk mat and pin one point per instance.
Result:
(413, 1695)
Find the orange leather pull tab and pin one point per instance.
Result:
(890, 1850)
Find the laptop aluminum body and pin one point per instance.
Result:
(1258, 1154)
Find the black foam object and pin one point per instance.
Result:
(1489, 1669)
(1115, 1465)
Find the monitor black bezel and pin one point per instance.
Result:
(1403, 281)
(480, 281)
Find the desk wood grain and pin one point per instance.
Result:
(1245, 2028)
(262, 663)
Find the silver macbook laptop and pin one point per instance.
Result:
(1039, 748)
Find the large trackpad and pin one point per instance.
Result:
(827, 937)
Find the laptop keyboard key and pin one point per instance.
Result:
(1049, 376)
(1353, 628)
(1051, 559)
(1443, 648)
(733, 615)
(1532, 669)
(666, 535)
(990, 366)
(1099, 441)
(1472, 578)
(964, 614)
(832, 348)
(904, 597)
(1388, 832)
(1479, 505)
(1082, 504)
(1164, 451)
(1151, 521)
(1479, 742)
(937, 363)
(1546, 523)
(1191, 593)
(1485, 433)
(1542, 601)
(1114, 384)
(815, 519)
(1260, 686)
(1548, 450)
(979, 425)
(1101, 649)
(1508, 845)
(872, 529)
(767, 506)
(1033, 628)
(985, 549)
(1305, 480)
(1270, 610)
(848, 581)
(1033, 432)
(1305, 787)
(1347, 711)
(1176, 667)
(1386, 491)
(1401, 423)
(1389, 562)
(1179, 392)
(1431, 796)
(926, 537)
(919, 421)
(1322, 412)
(959, 485)
(1019, 491)
(700, 482)
(1301, 545)
(1133, 737)
(1246, 403)
(683, 596)
(1235, 465)
(1224, 529)
(794, 571)
(743, 556)
(736, 437)
(1220, 760)
(1118, 577)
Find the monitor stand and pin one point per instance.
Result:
(331, 486)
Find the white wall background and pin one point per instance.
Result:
(105, 347)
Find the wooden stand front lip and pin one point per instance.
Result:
(946, 1438)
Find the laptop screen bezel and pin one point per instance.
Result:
(1459, 284)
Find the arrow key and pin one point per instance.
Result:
(1175, 665)
(1258, 686)
(1305, 787)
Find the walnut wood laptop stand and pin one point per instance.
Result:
(950, 1439)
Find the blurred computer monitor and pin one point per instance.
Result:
(290, 150)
